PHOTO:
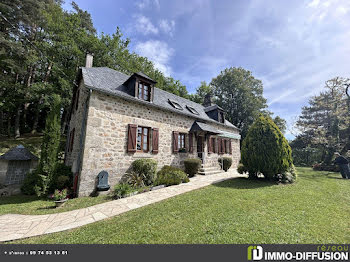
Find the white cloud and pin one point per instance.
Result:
(158, 52)
(167, 27)
(144, 25)
(148, 3)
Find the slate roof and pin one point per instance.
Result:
(199, 126)
(111, 82)
(18, 153)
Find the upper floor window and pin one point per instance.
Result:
(142, 141)
(175, 104)
(192, 110)
(144, 91)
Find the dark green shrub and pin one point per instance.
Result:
(61, 170)
(49, 146)
(147, 167)
(30, 182)
(225, 162)
(241, 169)
(122, 190)
(192, 166)
(169, 175)
(265, 150)
(62, 182)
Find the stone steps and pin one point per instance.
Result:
(209, 170)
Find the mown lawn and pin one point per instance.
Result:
(316, 209)
(32, 205)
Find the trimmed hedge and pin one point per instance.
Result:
(241, 169)
(225, 162)
(192, 166)
(147, 167)
(169, 175)
(265, 150)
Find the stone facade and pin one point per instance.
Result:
(104, 145)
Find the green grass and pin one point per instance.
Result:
(32, 205)
(316, 209)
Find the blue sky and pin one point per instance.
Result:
(292, 46)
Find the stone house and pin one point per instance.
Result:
(118, 118)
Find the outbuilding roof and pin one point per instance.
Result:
(111, 82)
(18, 153)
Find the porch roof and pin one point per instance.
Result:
(229, 135)
(199, 126)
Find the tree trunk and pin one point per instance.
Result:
(17, 122)
(36, 121)
(1, 122)
(9, 125)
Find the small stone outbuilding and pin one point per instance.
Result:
(15, 164)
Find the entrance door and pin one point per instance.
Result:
(200, 147)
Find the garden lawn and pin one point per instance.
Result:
(316, 209)
(32, 205)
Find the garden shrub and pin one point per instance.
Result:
(169, 175)
(265, 150)
(147, 167)
(192, 166)
(30, 182)
(136, 180)
(61, 170)
(62, 182)
(122, 190)
(225, 163)
(241, 169)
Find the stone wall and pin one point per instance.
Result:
(3, 171)
(76, 123)
(105, 146)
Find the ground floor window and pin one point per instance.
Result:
(142, 141)
(181, 142)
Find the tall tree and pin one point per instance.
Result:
(240, 94)
(325, 121)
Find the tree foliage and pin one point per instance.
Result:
(265, 150)
(324, 124)
(41, 48)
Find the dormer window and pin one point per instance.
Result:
(175, 104)
(192, 110)
(144, 91)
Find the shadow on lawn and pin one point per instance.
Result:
(19, 199)
(245, 183)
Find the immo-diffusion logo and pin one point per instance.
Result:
(333, 253)
(255, 253)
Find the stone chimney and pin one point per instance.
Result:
(207, 100)
(89, 59)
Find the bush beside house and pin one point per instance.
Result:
(192, 166)
(266, 151)
(225, 163)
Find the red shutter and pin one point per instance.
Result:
(175, 142)
(219, 145)
(230, 146)
(190, 141)
(155, 140)
(223, 146)
(210, 146)
(71, 140)
(215, 146)
(132, 138)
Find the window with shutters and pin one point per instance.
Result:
(213, 145)
(142, 139)
(144, 91)
(182, 142)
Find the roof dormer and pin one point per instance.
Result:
(141, 86)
